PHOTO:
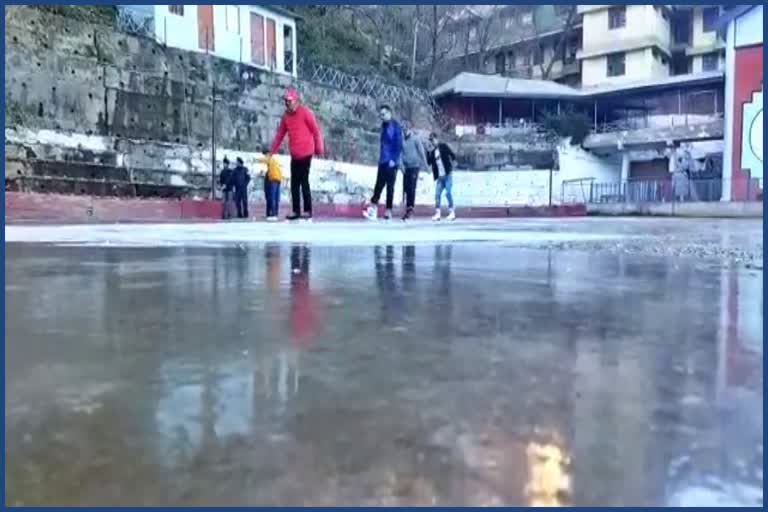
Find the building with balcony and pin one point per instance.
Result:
(263, 36)
(626, 43)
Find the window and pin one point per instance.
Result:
(232, 18)
(710, 61)
(472, 33)
(288, 48)
(710, 15)
(500, 63)
(538, 55)
(527, 18)
(616, 64)
(617, 17)
(271, 44)
(176, 9)
(511, 60)
(527, 59)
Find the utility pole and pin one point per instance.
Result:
(213, 139)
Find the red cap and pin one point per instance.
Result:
(291, 95)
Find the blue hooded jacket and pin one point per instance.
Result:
(391, 142)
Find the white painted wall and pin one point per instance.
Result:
(349, 183)
(639, 65)
(177, 31)
(749, 28)
(229, 34)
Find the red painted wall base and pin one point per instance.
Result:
(27, 207)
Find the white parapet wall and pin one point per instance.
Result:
(331, 181)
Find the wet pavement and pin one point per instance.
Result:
(619, 369)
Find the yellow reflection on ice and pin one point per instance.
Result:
(549, 483)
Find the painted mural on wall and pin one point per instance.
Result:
(752, 136)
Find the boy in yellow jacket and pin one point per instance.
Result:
(272, 180)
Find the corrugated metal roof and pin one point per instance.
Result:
(661, 83)
(476, 84)
(496, 86)
(280, 10)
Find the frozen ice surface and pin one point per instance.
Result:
(319, 232)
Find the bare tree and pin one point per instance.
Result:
(538, 35)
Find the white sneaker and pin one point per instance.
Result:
(272, 219)
(436, 216)
(451, 215)
(370, 213)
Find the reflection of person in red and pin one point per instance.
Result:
(303, 306)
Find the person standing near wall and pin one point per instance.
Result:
(414, 159)
(304, 141)
(389, 158)
(225, 182)
(441, 158)
(272, 178)
(240, 179)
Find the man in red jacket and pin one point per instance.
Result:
(304, 141)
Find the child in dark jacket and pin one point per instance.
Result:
(240, 179)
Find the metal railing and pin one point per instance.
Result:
(675, 189)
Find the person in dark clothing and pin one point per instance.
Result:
(441, 157)
(240, 179)
(226, 190)
(391, 148)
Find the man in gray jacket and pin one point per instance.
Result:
(414, 157)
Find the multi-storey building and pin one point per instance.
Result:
(631, 43)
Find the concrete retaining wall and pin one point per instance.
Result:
(694, 209)
(57, 208)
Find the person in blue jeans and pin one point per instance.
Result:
(272, 178)
(441, 157)
(390, 151)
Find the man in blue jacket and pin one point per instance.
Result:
(389, 160)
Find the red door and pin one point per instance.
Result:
(257, 39)
(205, 35)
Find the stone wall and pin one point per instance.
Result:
(66, 78)
(98, 165)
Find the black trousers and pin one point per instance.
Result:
(241, 201)
(300, 184)
(410, 180)
(385, 176)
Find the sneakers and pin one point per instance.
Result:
(272, 218)
(451, 215)
(293, 216)
(436, 216)
(307, 217)
(388, 215)
(408, 214)
(370, 212)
